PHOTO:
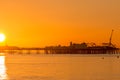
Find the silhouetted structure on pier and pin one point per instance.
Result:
(82, 48)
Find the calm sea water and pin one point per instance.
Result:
(59, 67)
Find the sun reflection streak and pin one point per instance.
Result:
(3, 74)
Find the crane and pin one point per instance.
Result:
(110, 40)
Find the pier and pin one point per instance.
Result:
(60, 50)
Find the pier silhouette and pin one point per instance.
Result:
(73, 48)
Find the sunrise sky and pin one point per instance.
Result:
(38, 23)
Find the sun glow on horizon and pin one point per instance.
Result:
(2, 37)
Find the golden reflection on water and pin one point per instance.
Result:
(3, 74)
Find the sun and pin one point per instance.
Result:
(2, 37)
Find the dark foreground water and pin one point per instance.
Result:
(59, 67)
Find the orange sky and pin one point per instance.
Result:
(37, 23)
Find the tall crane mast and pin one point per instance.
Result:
(110, 40)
